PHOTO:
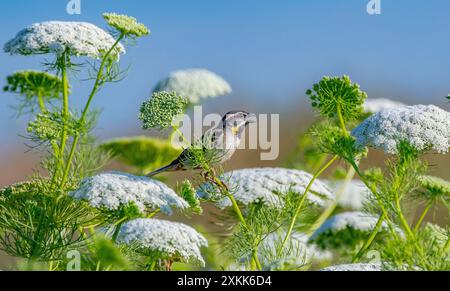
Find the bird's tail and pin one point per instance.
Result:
(170, 167)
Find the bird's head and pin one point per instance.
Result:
(236, 121)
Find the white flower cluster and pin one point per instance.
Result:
(113, 189)
(351, 196)
(194, 84)
(423, 127)
(266, 184)
(354, 267)
(78, 38)
(174, 240)
(356, 220)
(297, 251)
(379, 104)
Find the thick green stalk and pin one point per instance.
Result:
(370, 239)
(41, 103)
(402, 218)
(341, 120)
(65, 109)
(86, 110)
(65, 113)
(424, 214)
(302, 201)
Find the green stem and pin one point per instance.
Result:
(118, 225)
(41, 103)
(151, 265)
(374, 192)
(153, 213)
(302, 201)
(238, 210)
(59, 154)
(370, 239)
(86, 110)
(330, 209)
(65, 109)
(341, 120)
(447, 245)
(424, 214)
(402, 218)
(256, 259)
(224, 190)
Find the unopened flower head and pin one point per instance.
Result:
(194, 84)
(58, 37)
(435, 187)
(333, 95)
(113, 190)
(164, 239)
(422, 127)
(161, 109)
(351, 196)
(371, 267)
(379, 104)
(267, 184)
(126, 25)
(47, 125)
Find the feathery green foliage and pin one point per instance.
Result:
(188, 193)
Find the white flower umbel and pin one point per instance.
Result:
(113, 190)
(170, 240)
(76, 38)
(267, 184)
(351, 196)
(423, 127)
(354, 268)
(194, 84)
(355, 220)
(379, 104)
(296, 253)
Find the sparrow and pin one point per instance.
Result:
(219, 143)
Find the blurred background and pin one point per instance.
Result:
(271, 52)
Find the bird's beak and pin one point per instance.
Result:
(251, 118)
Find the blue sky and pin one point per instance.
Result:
(270, 51)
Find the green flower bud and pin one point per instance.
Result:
(161, 109)
(126, 25)
(334, 95)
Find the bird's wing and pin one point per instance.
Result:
(213, 138)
